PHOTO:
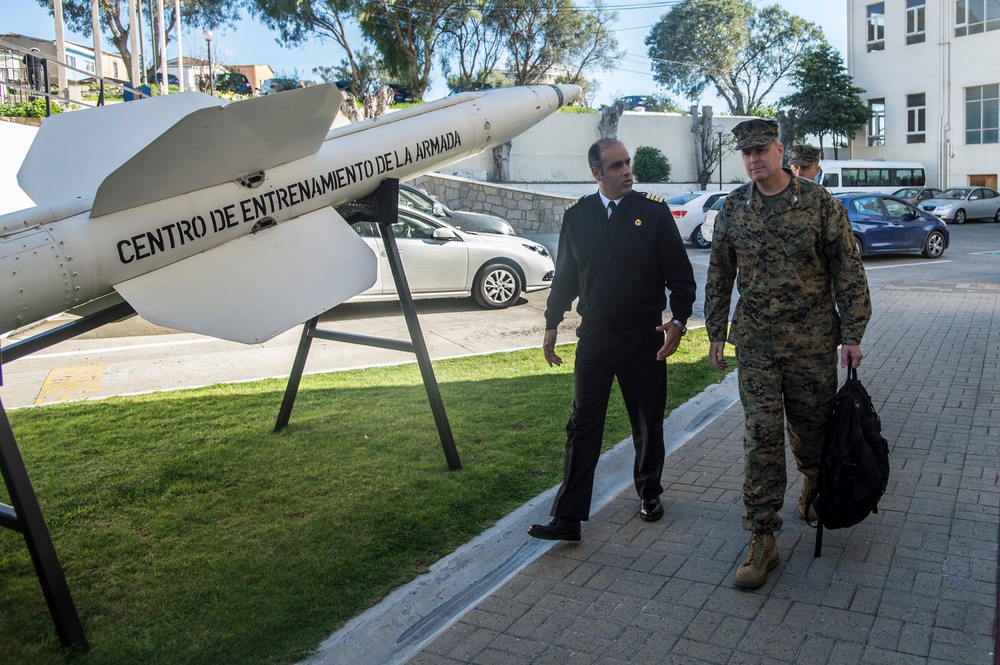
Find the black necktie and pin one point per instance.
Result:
(612, 206)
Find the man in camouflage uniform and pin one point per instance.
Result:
(804, 162)
(788, 245)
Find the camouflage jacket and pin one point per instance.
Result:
(802, 286)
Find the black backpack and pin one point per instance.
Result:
(854, 469)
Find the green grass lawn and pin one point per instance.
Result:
(190, 532)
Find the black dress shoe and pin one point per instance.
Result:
(559, 528)
(650, 510)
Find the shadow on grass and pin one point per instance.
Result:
(190, 532)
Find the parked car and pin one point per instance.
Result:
(474, 222)
(277, 84)
(961, 203)
(234, 82)
(915, 195)
(708, 226)
(883, 223)
(442, 261)
(399, 93)
(689, 211)
(171, 79)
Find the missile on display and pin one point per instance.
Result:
(218, 219)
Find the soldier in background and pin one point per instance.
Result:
(788, 244)
(35, 72)
(805, 162)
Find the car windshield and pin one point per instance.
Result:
(905, 193)
(681, 199)
(413, 200)
(957, 194)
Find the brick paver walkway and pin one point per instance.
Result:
(916, 583)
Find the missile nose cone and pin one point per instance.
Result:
(567, 93)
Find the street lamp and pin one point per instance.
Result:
(207, 36)
(719, 129)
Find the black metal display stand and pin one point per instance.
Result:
(382, 208)
(25, 514)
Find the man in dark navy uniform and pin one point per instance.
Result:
(619, 251)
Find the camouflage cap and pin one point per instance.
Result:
(752, 133)
(804, 155)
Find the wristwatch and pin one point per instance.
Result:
(680, 326)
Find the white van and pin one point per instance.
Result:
(856, 175)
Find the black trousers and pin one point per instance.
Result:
(600, 358)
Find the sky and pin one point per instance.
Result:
(250, 43)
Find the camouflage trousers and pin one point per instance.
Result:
(800, 388)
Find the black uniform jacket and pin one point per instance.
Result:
(618, 267)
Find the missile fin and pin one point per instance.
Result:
(74, 151)
(215, 145)
(261, 284)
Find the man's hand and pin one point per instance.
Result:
(549, 348)
(716, 353)
(850, 356)
(670, 342)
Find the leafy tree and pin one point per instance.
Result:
(542, 34)
(470, 50)
(650, 165)
(407, 32)
(298, 20)
(826, 100)
(364, 80)
(113, 16)
(730, 45)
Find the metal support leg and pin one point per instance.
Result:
(26, 516)
(298, 366)
(420, 348)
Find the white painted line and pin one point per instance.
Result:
(112, 349)
(907, 265)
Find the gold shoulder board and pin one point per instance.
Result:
(653, 197)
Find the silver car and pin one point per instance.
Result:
(442, 261)
(961, 203)
(476, 222)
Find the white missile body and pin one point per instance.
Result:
(219, 219)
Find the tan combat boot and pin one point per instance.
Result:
(762, 557)
(808, 493)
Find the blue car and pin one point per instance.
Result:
(883, 223)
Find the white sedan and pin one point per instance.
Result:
(708, 226)
(689, 211)
(441, 261)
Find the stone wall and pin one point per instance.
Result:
(527, 211)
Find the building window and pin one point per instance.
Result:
(915, 29)
(71, 60)
(876, 122)
(916, 118)
(975, 16)
(982, 114)
(114, 69)
(876, 27)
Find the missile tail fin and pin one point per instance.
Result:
(74, 151)
(215, 145)
(258, 285)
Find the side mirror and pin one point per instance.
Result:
(438, 209)
(445, 234)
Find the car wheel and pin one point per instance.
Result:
(960, 217)
(698, 240)
(996, 216)
(497, 286)
(934, 245)
(857, 245)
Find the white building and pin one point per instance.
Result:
(931, 74)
